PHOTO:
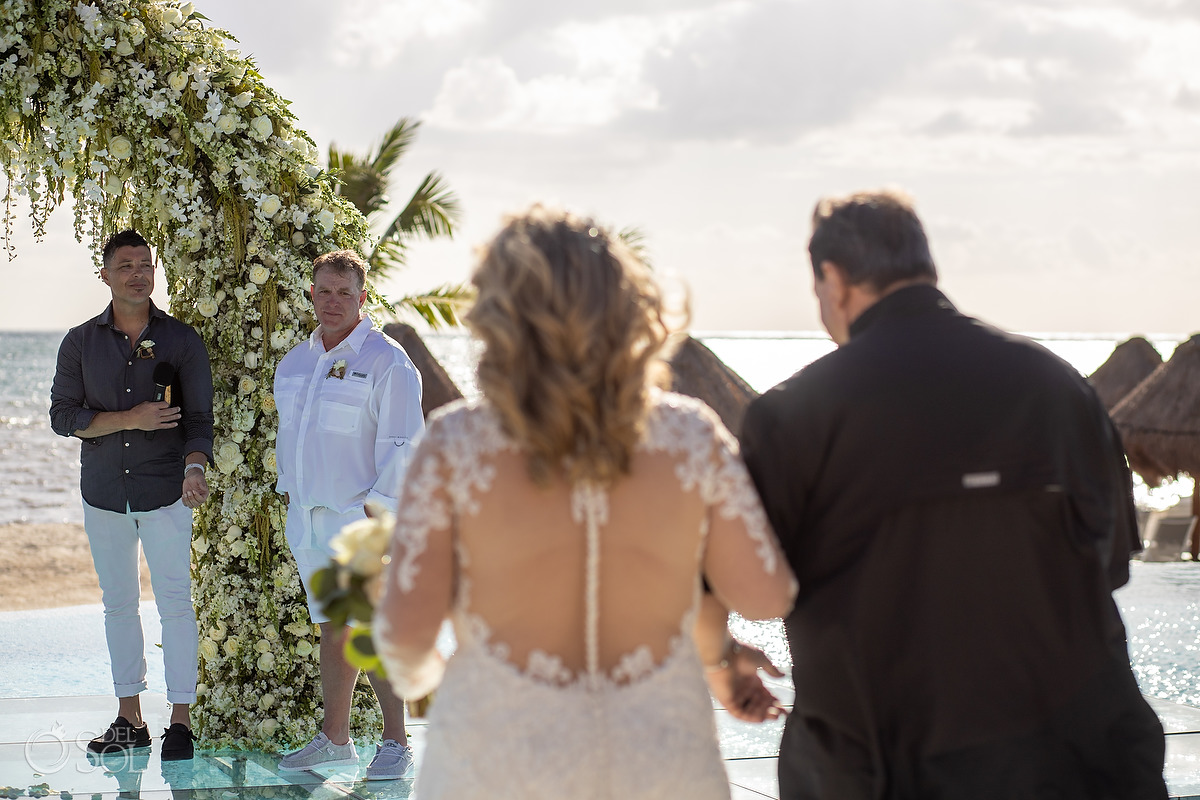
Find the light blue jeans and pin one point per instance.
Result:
(166, 537)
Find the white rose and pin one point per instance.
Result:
(106, 78)
(266, 701)
(242, 100)
(246, 385)
(251, 360)
(73, 68)
(238, 436)
(238, 549)
(231, 646)
(259, 274)
(303, 647)
(200, 545)
(124, 48)
(177, 81)
(120, 148)
(114, 185)
(268, 728)
(284, 309)
(136, 32)
(227, 123)
(217, 632)
(263, 646)
(208, 650)
(187, 9)
(201, 689)
(266, 662)
(269, 461)
(361, 545)
(172, 17)
(326, 219)
(299, 217)
(298, 239)
(270, 205)
(262, 127)
(207, 307)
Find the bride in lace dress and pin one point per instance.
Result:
(564, 523)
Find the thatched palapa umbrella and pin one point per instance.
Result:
(437, 388)
(1159, 421)
(696, 371)
(1130, 363)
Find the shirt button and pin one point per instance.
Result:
(128, 390)
(126, 472)
(127, 444)
(131, 363)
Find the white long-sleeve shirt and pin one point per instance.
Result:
(344, 441)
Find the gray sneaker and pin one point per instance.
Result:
(320, 752)
(391, 761)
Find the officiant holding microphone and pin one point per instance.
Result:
(135, 385)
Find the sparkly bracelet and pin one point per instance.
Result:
(193, 466)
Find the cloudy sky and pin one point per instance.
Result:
(1053, 146)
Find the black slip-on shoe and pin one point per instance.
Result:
(177, 743)
(119, 737)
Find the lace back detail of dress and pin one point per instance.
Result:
(589, 507)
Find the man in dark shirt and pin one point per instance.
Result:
(956, 506)
(135, 385)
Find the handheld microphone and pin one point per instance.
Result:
(164, 373)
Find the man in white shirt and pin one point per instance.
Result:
(349, 403)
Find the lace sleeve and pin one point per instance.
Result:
(418, 583)
(743, 561)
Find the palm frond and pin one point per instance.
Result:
(432, 211)
(438, 307)
(634, 238)
(395, 143)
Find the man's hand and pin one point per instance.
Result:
(152, 415)
(738, 686)
(195, 488)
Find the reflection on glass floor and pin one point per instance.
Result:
(43, 744)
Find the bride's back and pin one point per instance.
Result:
(525, 568)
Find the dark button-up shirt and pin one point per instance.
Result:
(955, 504)
(99, 369)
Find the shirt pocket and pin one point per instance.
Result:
(342, 406)
(287, 399)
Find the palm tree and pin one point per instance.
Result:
(431, 212)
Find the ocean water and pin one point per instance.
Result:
(41, 470)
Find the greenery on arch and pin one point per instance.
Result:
(143, 114)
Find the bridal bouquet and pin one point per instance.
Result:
(348, 589)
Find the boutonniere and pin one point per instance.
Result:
(145, 349)
(338, 370)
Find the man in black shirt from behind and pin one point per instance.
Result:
(956, 506)
(143, 457)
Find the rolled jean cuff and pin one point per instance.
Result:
(129, 689)
(181, 697)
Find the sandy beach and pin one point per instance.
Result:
(49, 566)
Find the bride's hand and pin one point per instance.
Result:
(738, 686)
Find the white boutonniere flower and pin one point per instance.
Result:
(338, 370)
(145, 349)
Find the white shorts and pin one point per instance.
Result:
(309, 532)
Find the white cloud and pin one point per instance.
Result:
(377, 31)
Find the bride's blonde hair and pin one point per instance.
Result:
(573, 329)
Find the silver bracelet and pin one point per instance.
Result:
(193, 466)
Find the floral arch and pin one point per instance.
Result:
(140, 111)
